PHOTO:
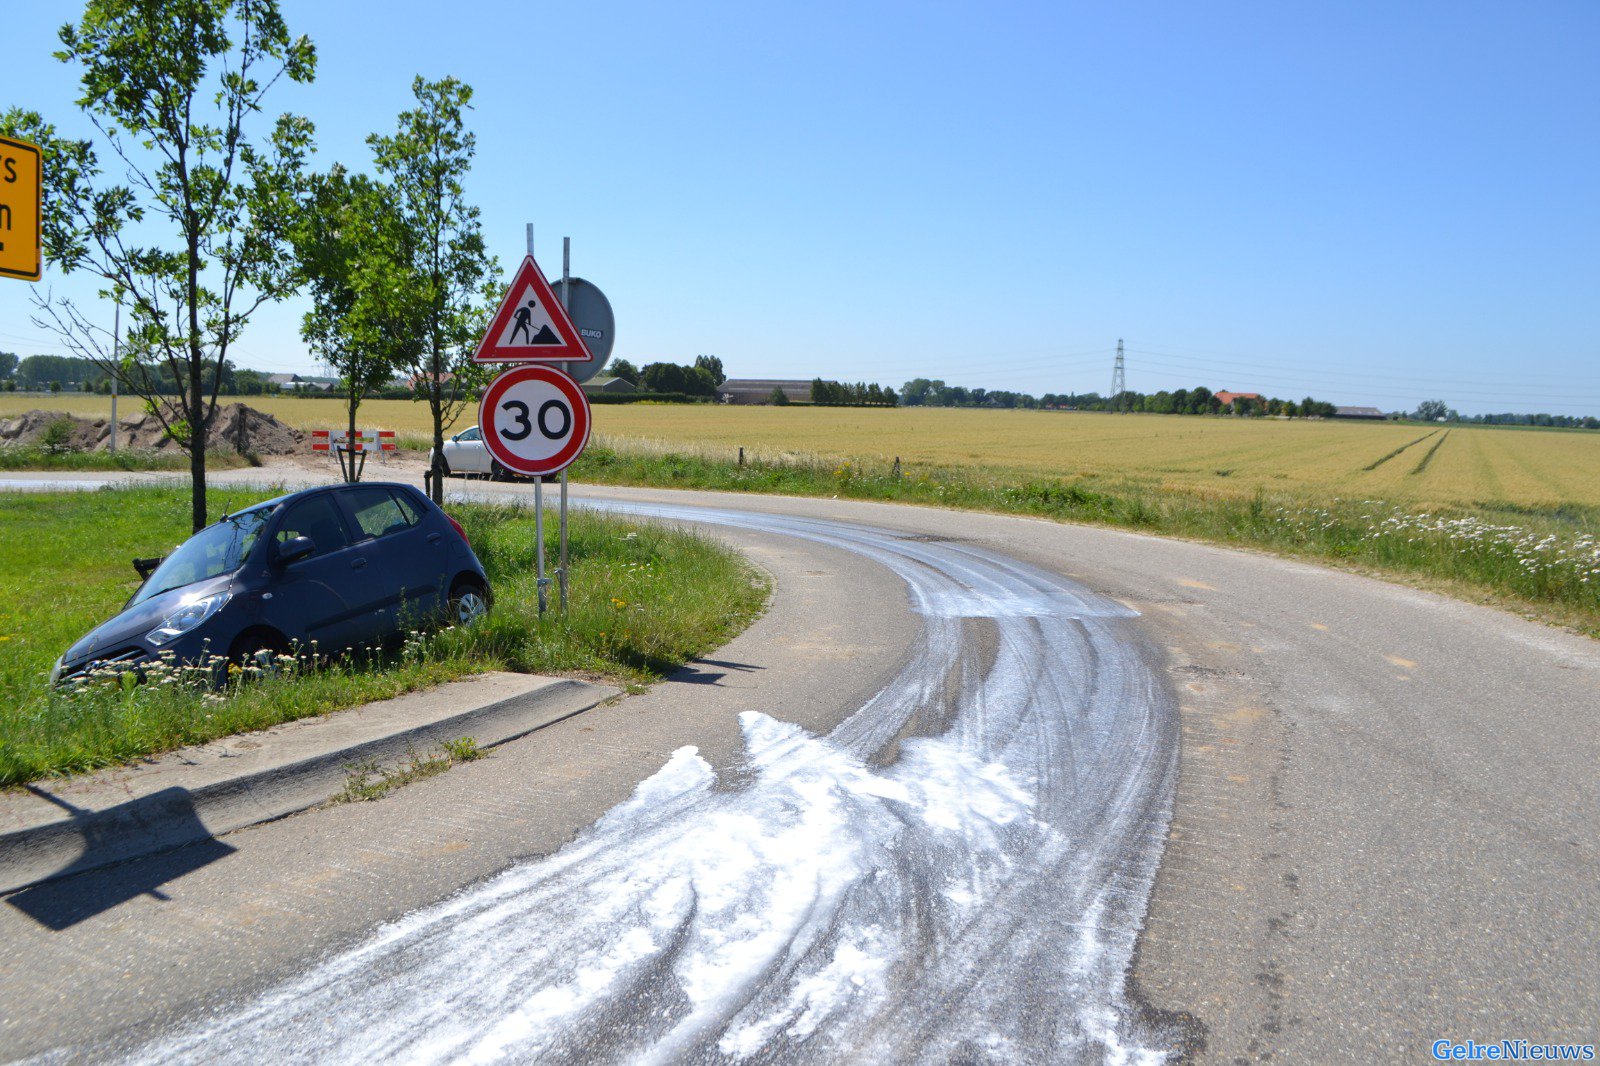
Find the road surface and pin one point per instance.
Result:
(977, 788)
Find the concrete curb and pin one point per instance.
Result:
(158, 819)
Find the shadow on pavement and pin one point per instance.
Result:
(691, 674)
(743, 668)
(110, 871)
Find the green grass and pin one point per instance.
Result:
(33, 457)
(370, 780)
(645, 599)
(1542, 561)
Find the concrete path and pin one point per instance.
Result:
(63, 827)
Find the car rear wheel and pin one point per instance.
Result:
(469, 601)
(498, 472)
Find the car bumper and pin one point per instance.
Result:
(189, 650)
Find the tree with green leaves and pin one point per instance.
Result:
(8, 364)
(1432, 411)
(354, 250)
(666, 378)
(712, 366)
(626, 371)
(193, 240)
(446, 279)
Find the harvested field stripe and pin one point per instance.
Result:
(1426, 459)
(1397, 451)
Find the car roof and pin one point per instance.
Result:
(301, 494)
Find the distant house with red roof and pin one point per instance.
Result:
(1226, 398)
(422, 379)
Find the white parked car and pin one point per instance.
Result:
(465, 453)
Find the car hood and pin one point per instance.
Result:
(130, 626)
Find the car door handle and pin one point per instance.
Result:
(357, 564)
(433, 538)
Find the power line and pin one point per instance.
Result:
(1292, 380)
(1068, 361)
(1355, 375)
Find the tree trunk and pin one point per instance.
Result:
(197, 412)
(438, 461)
(350, 442)
(197, 451)
(436, 408)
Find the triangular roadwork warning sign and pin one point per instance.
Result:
(531, 325)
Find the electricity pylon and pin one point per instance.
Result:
(1119, 380)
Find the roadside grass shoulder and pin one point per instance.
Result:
(645, 599)
(1541, 561)
(370, 780)
(32, 457)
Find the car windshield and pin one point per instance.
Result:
(213, 551)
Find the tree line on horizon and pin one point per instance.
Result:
(922, 392)
(702, 379)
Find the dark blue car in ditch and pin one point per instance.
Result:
(329, 569)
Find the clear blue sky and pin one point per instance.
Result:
(1375, 203)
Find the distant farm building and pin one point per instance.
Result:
(1226, 398)
(416, 381)
(1359, 412)
(751, 391)
(610, 386)
(298, 383)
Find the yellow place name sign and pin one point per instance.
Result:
(20, 172)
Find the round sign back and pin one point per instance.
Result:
(535, 420)
(590, 311)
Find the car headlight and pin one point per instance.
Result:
(186, 618)
(55, 671)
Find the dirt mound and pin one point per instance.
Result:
(244, 429)
(236, 428)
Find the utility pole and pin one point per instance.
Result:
(1119, 379)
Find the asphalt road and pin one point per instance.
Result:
(978, 787)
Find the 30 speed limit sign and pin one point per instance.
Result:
(535, 420)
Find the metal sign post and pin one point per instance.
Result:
(566, 282)
(538, 537)
(534, 416)
(538, 504)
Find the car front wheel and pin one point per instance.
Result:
(260, 650)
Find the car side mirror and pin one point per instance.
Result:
(295, 548)
(455, 438)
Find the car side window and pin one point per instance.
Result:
(472, 434)
(378, 513)
(317, 518)
(409, 506)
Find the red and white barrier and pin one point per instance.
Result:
(366, 440)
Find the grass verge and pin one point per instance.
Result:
(370, 780)
(1542, 562)
(645, 600)
(33, 457)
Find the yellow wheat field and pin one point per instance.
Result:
(1470, 465)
